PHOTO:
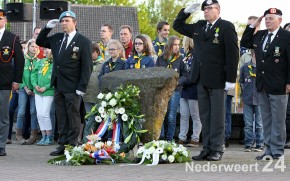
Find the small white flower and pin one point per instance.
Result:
(98, 119)
(99, 145)
(109, 143)
(185, 153)
(159, 150)
(171, 159)
(164, 157)
(117, 95)
(124, 117)
(122, 110)
(117, 110)
(103, 103)
(103, 115)
(174, 153)
(113, 102)
(116, 147)
(109, 96)
(100, 96)
(101, 110)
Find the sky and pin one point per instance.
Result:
(240, 10)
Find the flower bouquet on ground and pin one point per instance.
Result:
(92, 152)
(162, 151)
(120, 112)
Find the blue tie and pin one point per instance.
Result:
(268, 42)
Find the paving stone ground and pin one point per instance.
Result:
(28, 162)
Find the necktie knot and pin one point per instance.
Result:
(208, 26)
(268, 41)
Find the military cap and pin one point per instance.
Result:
(208, 3)
(67, 14)
(273, 11)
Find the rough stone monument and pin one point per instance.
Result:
(156, 85)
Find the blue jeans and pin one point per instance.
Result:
(171, 112)
(228, 123)
(22, 99)
(252, 114)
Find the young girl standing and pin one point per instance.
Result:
(26, 93)
(40, 80)
(141, 58)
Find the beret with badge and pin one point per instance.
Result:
(2, 13)
(273, 11)
(208, 3)
(67, 14)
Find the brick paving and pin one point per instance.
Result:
(28, 162)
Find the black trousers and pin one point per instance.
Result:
(67, 106)
(211, 104)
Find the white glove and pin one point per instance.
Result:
(52, 23)
(192, 8)
(230, 86)
(80, 93)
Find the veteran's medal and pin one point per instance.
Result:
(277, 52)
(216, 35)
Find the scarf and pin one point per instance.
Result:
(171, 60)
(138, 59)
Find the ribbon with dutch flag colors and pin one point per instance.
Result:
(103, 128)
(101, 155)
(116, 133)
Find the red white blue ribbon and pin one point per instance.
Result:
(103, 128)
(116, 133)
(101, 155)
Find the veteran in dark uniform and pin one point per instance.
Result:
(11, 70)
(272, 49)
(214, 68)
(72, 54)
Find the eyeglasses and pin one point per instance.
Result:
(138, 43)
(208, 8)
(112, 49)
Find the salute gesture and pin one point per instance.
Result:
(52, 23)
(192, 8)
(257, 22)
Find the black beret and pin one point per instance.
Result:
(273, 11)
(2, 13)
(208, 3)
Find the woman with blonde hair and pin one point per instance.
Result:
(188, 101)
(117, 58)
(40, 80)
(26, 93)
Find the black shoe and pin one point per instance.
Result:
(276, 156)
(287, 145)
(201, 157)
(215, 156)
(59, 151)
(263, 157)
(2, 152)
(227, 143)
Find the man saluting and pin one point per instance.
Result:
(72, 54)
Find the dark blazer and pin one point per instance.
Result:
(273, 67)
(218, 60)
(179, 66)
(11, 60)
(71, 69)
(120, 65)
(146, 62)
